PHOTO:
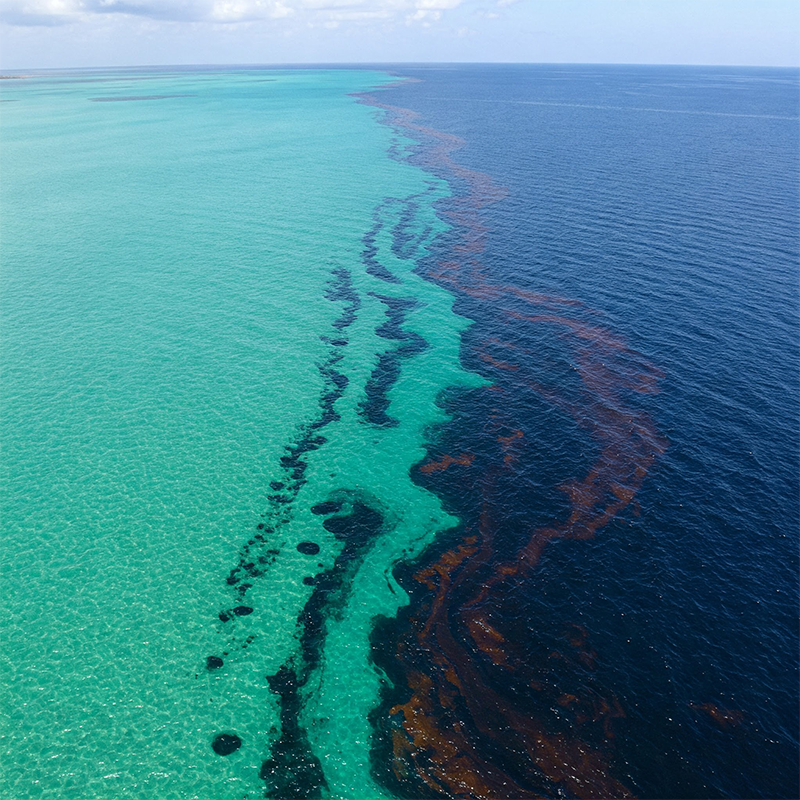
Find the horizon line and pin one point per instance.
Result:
(363, 64)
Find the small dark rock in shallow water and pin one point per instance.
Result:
(309, 580)
(223, 616)
(213, 662)
(226, 743)
(328, 507)
(308, 548)
(242, 611)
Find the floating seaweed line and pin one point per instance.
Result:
(468, 714)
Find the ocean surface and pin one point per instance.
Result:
(400, 432)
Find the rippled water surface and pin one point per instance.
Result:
(365, 439)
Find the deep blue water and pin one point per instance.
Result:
(665, 199)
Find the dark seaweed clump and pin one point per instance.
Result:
(387, 370)
(292, 770)
(226, 743)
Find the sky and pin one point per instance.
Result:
(37, 34)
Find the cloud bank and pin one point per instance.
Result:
(231, 12)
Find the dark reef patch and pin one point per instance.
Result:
(214, 662)
(357, 528)
(387, 371)
(342, 290)
(370, 253)
(328, 507)
(226, 743)
(256, 556)
(293, 770)
(406, 241)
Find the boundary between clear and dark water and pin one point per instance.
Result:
(456, 721)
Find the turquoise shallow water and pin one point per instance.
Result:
(190, 288)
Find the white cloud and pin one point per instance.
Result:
(44, 12)
(60, 12)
